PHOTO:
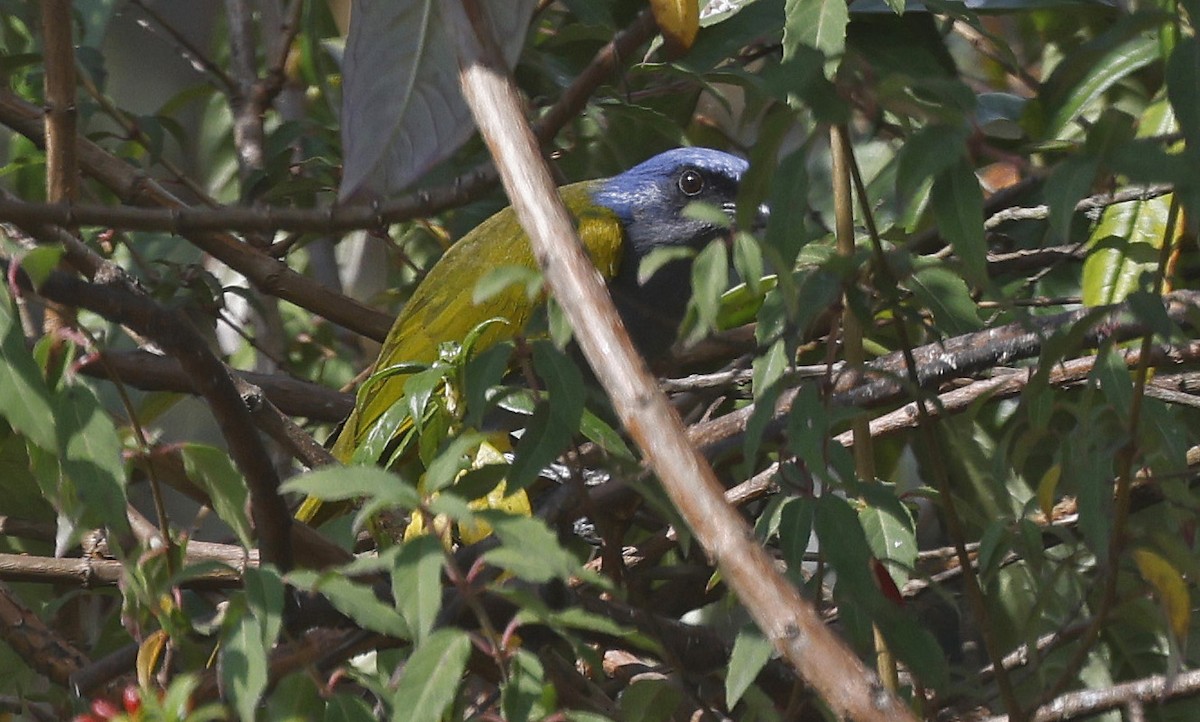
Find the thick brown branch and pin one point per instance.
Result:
(151, 372)
(37, 644)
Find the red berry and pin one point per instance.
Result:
(104, 709)
(131, 698)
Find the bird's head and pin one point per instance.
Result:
(649, 199)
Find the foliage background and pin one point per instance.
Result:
(992, 144)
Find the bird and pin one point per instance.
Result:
(620, 220)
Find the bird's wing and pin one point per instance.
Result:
(442, 308)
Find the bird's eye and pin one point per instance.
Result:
(691, 182)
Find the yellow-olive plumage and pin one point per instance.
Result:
(620, 221)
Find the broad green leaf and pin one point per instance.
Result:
(356, 601)
(39, 262)
(769, 368)
(1070, 181)
(1114, 381)
(600, 433)
(518, 536)
(25, 400)
(526, 695)
(90, 456)
(1169, 587)
(244, 665)
(710, 278)
(957, 203)
(650, 700)
(819, 24)
(351, 482)
(345, 708)
(890, 538)
(1047, 489)
(431, 677)
(795, 530)
(748, 261)
(1124, 247)
(945, 294)
(927, 153)
(1116, 63)
(555, 420)
(419, 388)
(844, 545)
(211, 469)
(265, 597)
(1183, 84)
(417, 583)
(454, 458)
(751, 652)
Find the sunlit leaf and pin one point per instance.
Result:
(1169, 587)
(431, 677)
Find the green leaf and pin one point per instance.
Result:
(25, 400)
(39, 262)
(1101, 73)
(1070, 181)
(600, 433)
(819, 24)
(453, 458)
(957, 205)
(431, 677)
(339, 483)
(945, 294)
(769, 368)
(1114, 380)
(90, 456)
(795, 529)
(1169, 587)
(845, 546)
(417, 583)
(710, 278)
(650, 700)
(526, 696)
(1122, 248)
(659, 257)
(748, 261)
(518, 536)
(751, 652)
(244, 665)
(1183, 84)
(345, 708)
(890, 536)
(264, 596)
(419, 388)
(356, 601)
(927, 153)
(555, 420)
(211, 469)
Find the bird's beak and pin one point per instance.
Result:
(761, 216)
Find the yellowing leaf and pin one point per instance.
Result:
(1169, 587)
(678, 21)
(148, 655)
(1046, 488)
